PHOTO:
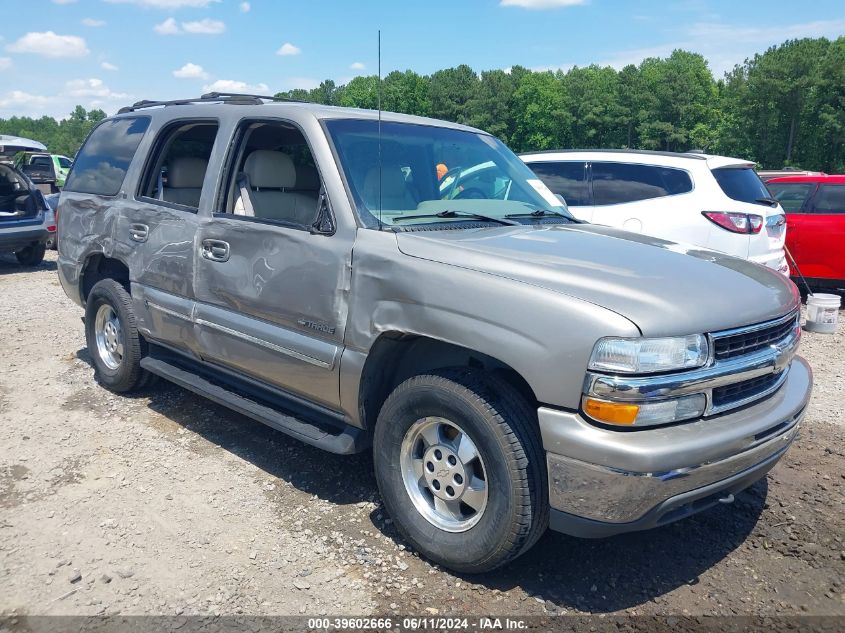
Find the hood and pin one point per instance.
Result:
(664, 288)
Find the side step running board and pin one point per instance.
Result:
(347, 441)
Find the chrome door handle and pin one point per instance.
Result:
(215, 250)
(139, 232)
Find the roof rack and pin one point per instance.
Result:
(235, 98)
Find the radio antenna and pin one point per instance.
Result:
(380, 225)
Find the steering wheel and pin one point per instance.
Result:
(473, 193)
(453, 173)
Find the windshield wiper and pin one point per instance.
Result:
(769, 201)
(540, 213)
(448, 214)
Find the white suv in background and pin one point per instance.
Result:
(711, 201)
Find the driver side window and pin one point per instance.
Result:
(273, 176)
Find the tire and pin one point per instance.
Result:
(32, 255)
(503, 428)
(118, 370)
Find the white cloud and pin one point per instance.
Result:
(93, 22)
(5, 63)
(108, 66)
(190, 71)
(167, 4)
(18, 98)
(288, 49)
(541, 4)
(766, 34)
(89, 93)
(92, 88)
(722, 45)
(230, 85)
(197, 27)
(49, 44)
(168, 27)
(245, 7)
(357, 66)
(204, 27)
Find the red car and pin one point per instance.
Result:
(815, 217)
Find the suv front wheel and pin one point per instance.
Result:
(460, 467)
(114, 343)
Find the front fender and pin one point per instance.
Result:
(545, 336)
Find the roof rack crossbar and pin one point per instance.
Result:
(223, 97)
(215, 96)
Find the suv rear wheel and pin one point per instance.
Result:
(112, 336)
(460, 467)
(32, 255)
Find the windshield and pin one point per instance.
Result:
(433, 174)
(742, 184)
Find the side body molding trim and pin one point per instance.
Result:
(270, 336)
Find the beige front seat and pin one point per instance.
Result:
(184, 181)
(395, 191)
(269, 175)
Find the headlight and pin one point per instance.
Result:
(649, 355)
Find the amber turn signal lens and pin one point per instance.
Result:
(611, 412)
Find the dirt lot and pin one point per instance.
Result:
(167, 504)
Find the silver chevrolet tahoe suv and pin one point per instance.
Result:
(324, 271)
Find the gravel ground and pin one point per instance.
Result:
(167, 504)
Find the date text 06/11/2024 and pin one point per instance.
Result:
(422, 623)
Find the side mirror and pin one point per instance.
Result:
(324, 224)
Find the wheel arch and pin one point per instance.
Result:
(396, 356)
(98, 266)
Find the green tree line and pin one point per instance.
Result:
(61, 137)
(785, 106)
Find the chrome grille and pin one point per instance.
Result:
(751, 339)
(747, 390)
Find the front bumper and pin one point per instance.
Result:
(604, 482)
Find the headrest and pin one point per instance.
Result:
(267, 168)
(307, 177)
(186, 173)
(392, 182)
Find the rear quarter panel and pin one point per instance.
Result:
(86, 226)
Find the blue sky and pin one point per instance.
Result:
(55, 54)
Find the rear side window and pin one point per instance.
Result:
(830, 199)
(65, 163)
(742, 184)
(791, 195)
(101, 164)
(617, 183)
(178, 163)
(565, 178)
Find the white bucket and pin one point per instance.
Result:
(822, 313)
